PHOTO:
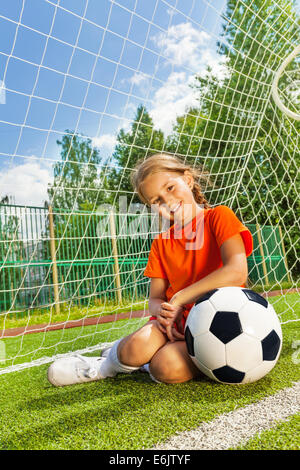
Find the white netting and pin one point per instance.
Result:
(87, 89)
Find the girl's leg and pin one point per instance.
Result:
(172, 364)
(130, 353)
(138, 348)
(169, 362)
(125, 356)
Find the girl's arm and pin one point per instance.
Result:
(158, 288)
(234, 272)
(159, 308)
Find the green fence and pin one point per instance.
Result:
(267, 264)
(96, 257)
(91, 263)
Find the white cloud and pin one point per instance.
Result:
(139, 79)
(183, 44)
(108, 141)
(27, 183)
(172, 100)
(190, 51)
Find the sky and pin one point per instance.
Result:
(86, 65)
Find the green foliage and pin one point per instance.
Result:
(11, 250)
(247, 144)
(140, 141)
(76, 180)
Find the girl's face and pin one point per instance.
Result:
(170, 194)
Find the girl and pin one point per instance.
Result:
(204, 248)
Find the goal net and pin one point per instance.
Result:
(87, 89)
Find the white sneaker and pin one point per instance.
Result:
(105, 352)
(74, 370)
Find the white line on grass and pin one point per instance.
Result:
(231, 429)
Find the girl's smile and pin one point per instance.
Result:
(176, 208)
(170, 194)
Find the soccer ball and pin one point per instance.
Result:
(233, 335)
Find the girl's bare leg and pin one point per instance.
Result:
(172, 364)
(138, 348)
(169, 362)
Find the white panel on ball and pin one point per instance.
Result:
(204, 369)
(200, 318)
(210, 350)
(229, 298)
(260, 371)
(258, 321)
(244, 353)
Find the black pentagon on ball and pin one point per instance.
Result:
(226, 326)
(229, 375)
(255, 297)
(270, 346)
(189, 341)
(206, 296)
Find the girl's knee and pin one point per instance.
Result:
(128, 349)
(171, 366)
(162, 369)
(139, 347)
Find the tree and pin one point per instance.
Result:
(140, 141)
(11, 252)
(76, 176)
(245, 141)
(75, 195)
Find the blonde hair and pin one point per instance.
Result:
(166, 162)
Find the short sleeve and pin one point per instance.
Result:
(154, 266)
(225, 224)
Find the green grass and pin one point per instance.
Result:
(285, 436)
(30, 347)
(67, 312)
(275, 286)
(74, 312)
(287, 306)
(128, 411)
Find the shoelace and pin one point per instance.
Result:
(88, 372)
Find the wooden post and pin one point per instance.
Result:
(284, 254)
(53, 258)
(115, 255)
(262, 254)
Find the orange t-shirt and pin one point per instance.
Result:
(184, 255)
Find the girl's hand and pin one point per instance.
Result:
(167, 316)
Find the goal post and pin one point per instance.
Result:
(87, 91)
(285, 109)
